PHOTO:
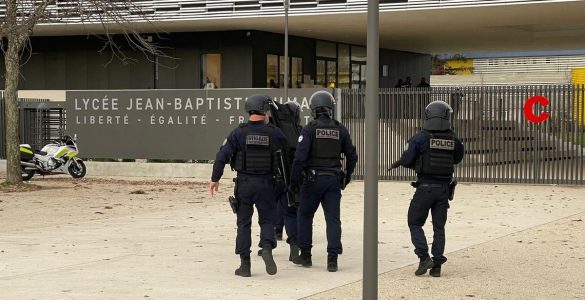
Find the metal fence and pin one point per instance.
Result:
(501, 145)
(40, 122)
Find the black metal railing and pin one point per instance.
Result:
(40, 122)
(501, 145)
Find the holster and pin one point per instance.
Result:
(309, 175)
(452, 186)
(233, 200)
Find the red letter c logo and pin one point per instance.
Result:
(529, 112)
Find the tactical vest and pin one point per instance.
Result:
(257, 155)
(438, 159)
(326, 144)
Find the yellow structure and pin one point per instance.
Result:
(578, 78)
(462, 66)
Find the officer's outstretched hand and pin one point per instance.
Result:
(213, 186)
(395, 165)
(347, 180)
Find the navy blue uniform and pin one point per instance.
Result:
(432, 193)
(326, 190)
(286, 216)
(253, 187)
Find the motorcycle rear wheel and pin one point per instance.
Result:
(77, 169)
(27, 174)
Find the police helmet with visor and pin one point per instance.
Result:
(437, 116)
(257, 104)
(321, 102)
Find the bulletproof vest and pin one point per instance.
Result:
(257, 155)
(326, 144)
(438, 158)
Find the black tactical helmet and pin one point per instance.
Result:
(295, 109)
(321, 102)
(437, 116)
(257, 104)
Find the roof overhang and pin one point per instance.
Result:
(526, 27)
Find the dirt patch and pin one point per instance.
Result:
(60, 200)
(6, 187)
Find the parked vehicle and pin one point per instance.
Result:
(58, 157)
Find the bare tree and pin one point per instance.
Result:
(113, 17)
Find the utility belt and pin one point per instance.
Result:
(312, 175)
(451, 185)
(246, 179)
(262, 179)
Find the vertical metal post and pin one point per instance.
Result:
(286, 4)
(370, 287)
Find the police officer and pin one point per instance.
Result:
(286, 216)
(432, 153)
(317, 168)
(251, 148)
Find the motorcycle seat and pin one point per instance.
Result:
(40, 152)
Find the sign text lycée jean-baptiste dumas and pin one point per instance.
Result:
(163, 104)
(165, 124)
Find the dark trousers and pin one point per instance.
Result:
(436, 199)
(327, 192)
(255, 191)
(287, 214)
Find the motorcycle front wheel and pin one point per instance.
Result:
(27, 174)
(77, 169)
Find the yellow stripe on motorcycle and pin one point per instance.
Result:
(72, 154)
(25, 150)
(60, 152)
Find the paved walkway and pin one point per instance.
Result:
(186, 252)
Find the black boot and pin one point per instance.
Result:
(435, 270)
(304, 259)
(332, 262)
(269, 260)
(244, 269)
(425, 263)
(294, 252)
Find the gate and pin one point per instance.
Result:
(501, 145)
(40, 122)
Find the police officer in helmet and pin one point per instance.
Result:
(317, 169)
(251, 150)
(432, 153)
(287, 215)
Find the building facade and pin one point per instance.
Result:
(239, 44)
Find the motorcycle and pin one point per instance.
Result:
(58, 157)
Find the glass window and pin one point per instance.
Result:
(326, 49)
(297, 72)
(331, 73)
(211, 71)
(281, 71)
(272, 71)
(343, 66)
(320, 80)
(358, 54)
(275, 71)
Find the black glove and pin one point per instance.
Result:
(347, 180)
(395, 165)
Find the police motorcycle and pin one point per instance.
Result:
(57, 157)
